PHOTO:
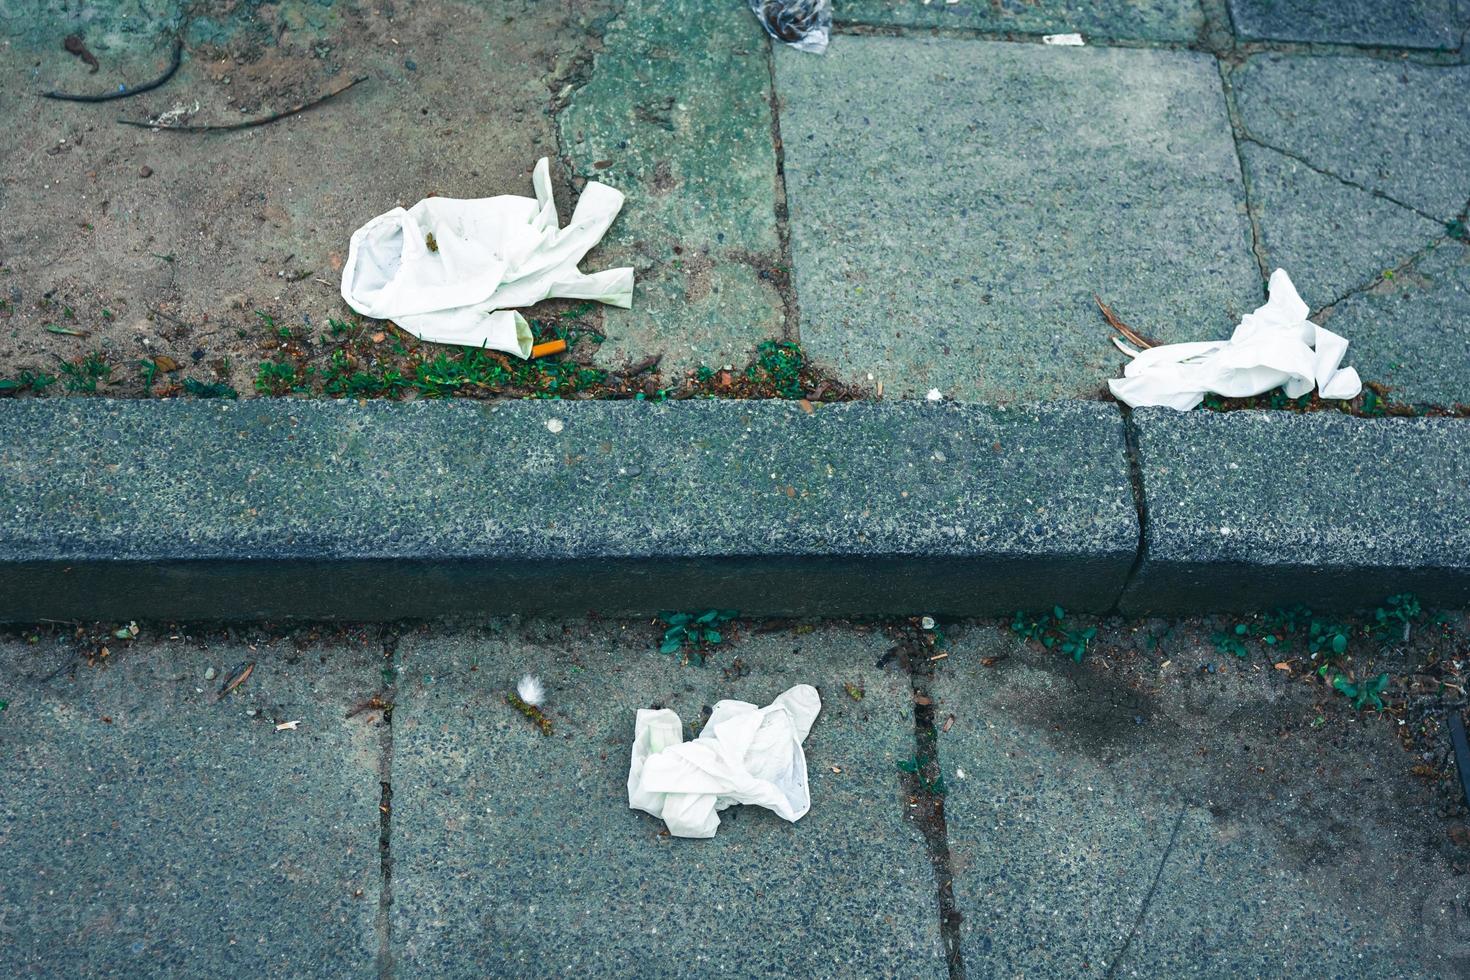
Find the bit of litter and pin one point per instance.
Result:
(159, 124)
(531, 690)
(836, 770)
(1283, 665)
(122, 91)
(803, 24)
(934, 395)
(239, 676)
(530, 711)
(1072, 40)
(495, 253)
(548, 348)
(67, 331)
(287, 726)
(926, 622)
(939, 656)
(555, 426)
(1276, 346)
(743, 754)
(948, 723)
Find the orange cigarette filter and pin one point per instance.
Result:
(548, 348)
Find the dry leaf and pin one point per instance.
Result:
(165, 363)
(240, 676)
(922, 699)
(806, 406)
(1283, 666)
(837, 770)
(379, 337)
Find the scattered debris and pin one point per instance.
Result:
(374, 703)
(463, 292)
(123, 93)
(239, 676)
(78, 47)
(1072, 40)
(732, 761)
(854, 691)
(1274, 347)
(530, 711)
(287, 726)
(948, 723)
(549, 348)
(803, 24)
(1132, 336)
(160, 125)
(531, 690)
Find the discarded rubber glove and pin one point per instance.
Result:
(1273, 347)
(744, 754)
(451, 271)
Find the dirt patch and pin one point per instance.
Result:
(129, 245)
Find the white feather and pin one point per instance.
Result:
(531, 690)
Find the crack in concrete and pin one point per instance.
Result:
(386, 694)
(1323, 312)
(930, 817)
(1148, 899)
(791, 319)
(1237, 129)
(1246, 135)
(564, 85)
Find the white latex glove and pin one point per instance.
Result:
(486, 256)
(744, 754)
(1274, 347)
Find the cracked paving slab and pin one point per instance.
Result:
(1332, 237)
(1148, 20)
(514, 852)
(1138, 818)
(1433, 24)
(1398, 128)
(150, 828)
(1412, 332)
(676, 114)
(955, 204)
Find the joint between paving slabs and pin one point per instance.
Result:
(386, 695)
(1140, 500)
(1237, 131)
(791, 312)
(925, 789)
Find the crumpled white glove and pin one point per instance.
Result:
(744, 754)
(487, 255)
(1274, 346)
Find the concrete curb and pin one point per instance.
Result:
(1252, 510)
(271, 508)
(275, 508)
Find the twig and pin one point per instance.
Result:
(633, 370)
(171, 319)
(1133, 336)
(173, 66)
(530, 711)
(247, 123)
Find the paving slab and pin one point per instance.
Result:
(1433, 24)
(1412, 332)
(379, 510)
(1332, 237)
(1150, 20)
(675, 111)
(1253, 510)
(150, 828)
(1396, 127)
(955, 204)
(514, 853)
(1136, 816)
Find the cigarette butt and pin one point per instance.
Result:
(548, 348)
(939, 656)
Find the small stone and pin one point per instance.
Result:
(554, 426)
(927, 622)
(145, 171)
(210, 673)
(410, 64)
(632, 469)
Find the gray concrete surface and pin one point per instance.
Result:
(1256, 509)
(1136, 816)
(151, 829)
(1433, 24)
(516, 853)
(955, 204)
(1412, 332)
(375, 510)
(675, 111)
(1152, 20)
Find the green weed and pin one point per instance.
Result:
(81, 375)
(693, 633)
